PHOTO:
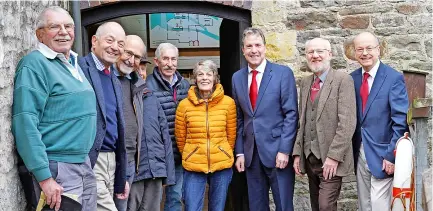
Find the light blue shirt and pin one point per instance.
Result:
(98, 63)
(322, 78)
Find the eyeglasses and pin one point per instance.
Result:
(369, 49)
(320, 52)
(130, 54)
(57, 27)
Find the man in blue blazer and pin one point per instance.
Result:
(108, 154)
(266, 101)
(382, 105)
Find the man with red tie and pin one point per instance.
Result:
(327, 121)
(108, 154)
(382, 105)
(266, 101)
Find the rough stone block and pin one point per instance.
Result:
(274, 51)
(311, 20)
(316, 3)
(352, 2)
(361, 9)
(409, 42)
(408, 9)
(420, 24)
(387, 20)
(389, 31)
(423, 66)
(355, 22)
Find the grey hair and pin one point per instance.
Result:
(253, 31)
(206, 66)
(164, 46)
(101, 30)
(327, 43)
(41, 20)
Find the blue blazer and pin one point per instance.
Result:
(89, 69)
(272, 125)
(384, 119)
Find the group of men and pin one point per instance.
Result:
(79, 122)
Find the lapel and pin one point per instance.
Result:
(116, 88)
(267, 75)
(357, 80)
(244, 81)
(377, 84)
(305, 94)
(324, 93)
(96, 81)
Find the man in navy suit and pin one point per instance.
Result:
(382, 105)
(266, 101)
(108, 154)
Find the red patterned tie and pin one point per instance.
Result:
(253, 89)
(106, 71)
(364, 91)
(315, 89)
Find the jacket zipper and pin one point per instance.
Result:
(138, 150)
(208, 136)
(222, 150)
(196, 148)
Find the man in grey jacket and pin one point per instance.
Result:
(132, 88)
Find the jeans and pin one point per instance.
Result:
(195, 187)
(121, 205)
(173, 193)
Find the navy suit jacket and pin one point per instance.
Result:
(272, 125)
(384, 119)
(92, 74)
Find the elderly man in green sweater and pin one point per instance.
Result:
(54, 114)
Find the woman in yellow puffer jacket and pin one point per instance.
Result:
(205, 133)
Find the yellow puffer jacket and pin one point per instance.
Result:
(206, 131)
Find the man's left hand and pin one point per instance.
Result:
(329, 168)
(125, 193)
(282, 160)
(388, 167)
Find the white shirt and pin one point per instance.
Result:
(372, 73)
(50, 54)
(261, 70)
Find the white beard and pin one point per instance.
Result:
(125, 69)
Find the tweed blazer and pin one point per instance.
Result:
(335, 120)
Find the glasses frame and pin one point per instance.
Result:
(69, 27)
(369, 49)
(320, 52)
(130, 54)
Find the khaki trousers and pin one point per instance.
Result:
(373, 194)
(104, 170)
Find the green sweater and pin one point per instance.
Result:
(54, 114)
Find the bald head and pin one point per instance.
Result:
(108, 43)
(318, 41)
(365, 36)
(136, 42)
(367, 50)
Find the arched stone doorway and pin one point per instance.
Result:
(235, 20)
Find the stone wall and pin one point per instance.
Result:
(405, 26)
(17, 38)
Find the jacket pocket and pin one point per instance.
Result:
(189, 155)
(276, 132)
(222, 150)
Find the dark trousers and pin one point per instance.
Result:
(260, 178)
(323, 193)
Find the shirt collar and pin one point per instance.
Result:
(98, 63)
(117, 74)
(373, 70)
(173, 81)
(260, 68)
(50, 54)
(322, 76)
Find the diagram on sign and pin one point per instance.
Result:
(184, 30)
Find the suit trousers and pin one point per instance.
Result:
(373, 194)
(260, 178)
(323, 193)
(105, 169)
